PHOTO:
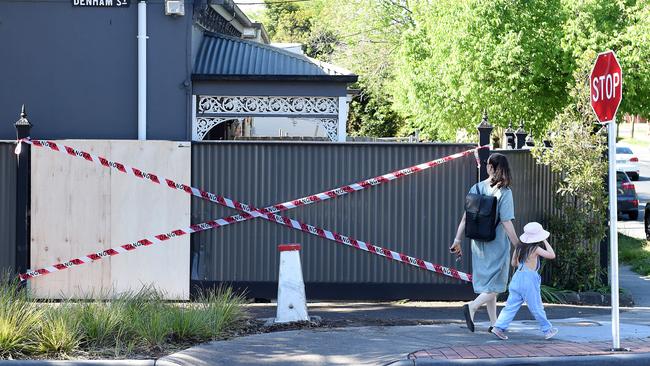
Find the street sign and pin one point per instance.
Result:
(101, 3)
(606, 83)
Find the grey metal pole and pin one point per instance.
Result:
(613, 235)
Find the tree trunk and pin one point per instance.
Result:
(634, 120)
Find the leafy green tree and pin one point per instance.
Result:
(361, 36)
(368, 34)
(372, 115)
(623, 26)
(465, 56)
(288, 21)
(578, 220)
(633, 49)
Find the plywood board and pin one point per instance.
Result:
(80, 208)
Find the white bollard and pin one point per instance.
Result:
(292, 302)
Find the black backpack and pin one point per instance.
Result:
(481, 216)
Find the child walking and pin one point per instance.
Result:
(525, 283)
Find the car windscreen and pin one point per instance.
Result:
(623, 150)
(622, 177)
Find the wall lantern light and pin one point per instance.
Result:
(175, 7)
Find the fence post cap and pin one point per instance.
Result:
(485, 124)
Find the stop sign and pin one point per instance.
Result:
(606, 82)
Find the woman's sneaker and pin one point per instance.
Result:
(550, 333)
(499, 333)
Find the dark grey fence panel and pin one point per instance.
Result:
(7, 205)
(532, 188)
(416, 215)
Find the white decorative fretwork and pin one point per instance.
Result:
(259, 105)
(204, 124)
(331, 127)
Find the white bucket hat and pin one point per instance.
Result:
(533, 233)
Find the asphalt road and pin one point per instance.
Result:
(635, 228)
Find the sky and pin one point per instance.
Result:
(252, 8)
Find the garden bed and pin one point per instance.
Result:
(134, 325)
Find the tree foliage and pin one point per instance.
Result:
(437, 64)
(287, 21)
(463, 57)
(372, 115)
(578, 221)
(360, 36)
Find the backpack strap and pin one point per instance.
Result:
(497, 218)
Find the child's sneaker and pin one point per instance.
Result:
(499, 333)
(550, 333)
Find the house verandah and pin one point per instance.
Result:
(245, 89)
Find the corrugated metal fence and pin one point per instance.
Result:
(417, 215)
(532, 188)
(7, 205)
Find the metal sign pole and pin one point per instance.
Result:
(613, 235)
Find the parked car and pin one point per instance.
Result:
(647, 221)
(628, 202)
(627, 162)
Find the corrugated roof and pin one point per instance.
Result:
(225, 57)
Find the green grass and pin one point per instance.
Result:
(58, 334)
(635, 142)
(18, 318)
(635, 252)
(139, 323)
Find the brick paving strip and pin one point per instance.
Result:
(550, 349)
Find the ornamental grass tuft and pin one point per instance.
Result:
(133, 323)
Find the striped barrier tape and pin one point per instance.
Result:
(250, 212)
(307, 200)
(295, 224)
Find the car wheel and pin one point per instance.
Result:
(633, 215)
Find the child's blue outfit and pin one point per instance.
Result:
(525, 286)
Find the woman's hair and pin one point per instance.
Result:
(524, 250)
(501, 175)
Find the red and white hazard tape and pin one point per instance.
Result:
(374, 249)
(125, 248)
(295, 224)
(251, 212)
(307, 200)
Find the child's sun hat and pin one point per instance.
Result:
(533, 233)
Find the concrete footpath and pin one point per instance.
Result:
(584, 337)
(449, 343)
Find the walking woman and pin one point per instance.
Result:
(490, 260)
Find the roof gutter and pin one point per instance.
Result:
(335, 78)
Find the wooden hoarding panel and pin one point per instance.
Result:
(80, 207)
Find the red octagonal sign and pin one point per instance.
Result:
(606, 82)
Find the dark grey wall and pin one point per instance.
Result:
(76, 69)
(7, 205)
